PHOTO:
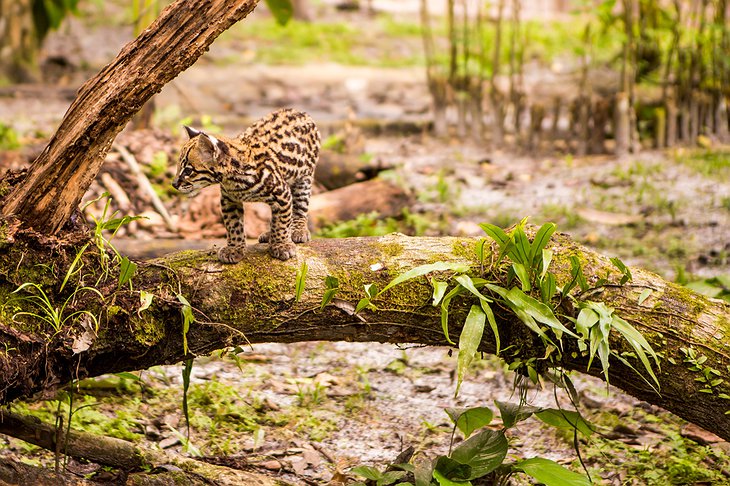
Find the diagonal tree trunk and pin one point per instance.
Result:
(59, 177)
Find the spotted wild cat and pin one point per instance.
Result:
(273, 162)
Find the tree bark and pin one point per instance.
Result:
(437, 82)
(622, 124)
(254, 301)
(113, 452)
(62, 173)
(18, 41)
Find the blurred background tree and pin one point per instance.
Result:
(24, 24)
(144, 12)
(668, 83)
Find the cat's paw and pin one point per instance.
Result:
(264, 237)
(282, 250)
(300, 234)
(231, 254)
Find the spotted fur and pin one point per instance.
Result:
(273, 161)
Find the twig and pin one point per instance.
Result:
(145, 185)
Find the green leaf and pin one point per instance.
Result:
(471, 337)
(639, 343)
(72, 269)
(426, 269)
(423, 470)
(116, 223)
(439, 289)
(550, 473)
(512, 413)
(492, 323)
(467, 420)
(539, 311)
(332, 284)
(723, 280)
(644, 295)
(548, 287)
(542, 238)
(327, 297)
(444, 481)
(479, 250)
(522, 274)
(483, 452)
(363, 303)
(390, 477)
(521, 252)
(127, 270)
(587, 318)
(301, 278)
(371, 290)
(188, 318)
(705, 287)
(467, 282)
(54, 14)
(547, 258)
(282, 10)
(451, 471)
(577, 277)
(367, 472)
(187, 370)
(565, 419)
(626, 273)
(145, 300)
(526, 319)
(496, 233)
(445, 311)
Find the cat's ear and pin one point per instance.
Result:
(192, 133)
(211, 148)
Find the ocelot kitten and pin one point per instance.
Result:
(272, 161)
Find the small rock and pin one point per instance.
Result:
(299, 464)
(312, 457)
(468, 228)
(150, 219)
(169, 442)
(699, 435)
(272, 465)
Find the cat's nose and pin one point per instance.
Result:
(176, 183)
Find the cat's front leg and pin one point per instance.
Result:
(280, 243)
(233, 214)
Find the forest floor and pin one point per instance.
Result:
(310, 411)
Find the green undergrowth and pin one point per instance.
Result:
(322, 41)
(222, 416)
(372, 224)
(385, 41)
(649, 448)
(709, 163)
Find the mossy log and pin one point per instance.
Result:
(173, 468)
(255, 301)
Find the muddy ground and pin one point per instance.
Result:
(310, 411)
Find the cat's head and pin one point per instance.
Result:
(200, 161)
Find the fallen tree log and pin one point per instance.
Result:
(113, 452)
(256, 301)
(348, 202)
(335, 170)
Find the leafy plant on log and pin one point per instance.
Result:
(527, 265)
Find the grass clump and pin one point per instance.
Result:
(709, 163)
